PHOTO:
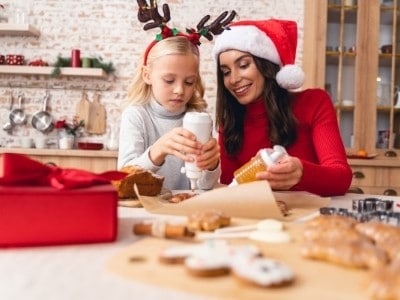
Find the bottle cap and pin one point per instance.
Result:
(271, 156)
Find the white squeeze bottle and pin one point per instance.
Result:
(200, 124)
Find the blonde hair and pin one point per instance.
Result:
(139, 92)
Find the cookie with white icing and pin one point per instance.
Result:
(178, 254)
(261, 271)
(216, 260)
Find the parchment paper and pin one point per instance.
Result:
(253, 200)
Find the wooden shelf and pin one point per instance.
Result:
(60, 152)
(31, 70)
(18, 29)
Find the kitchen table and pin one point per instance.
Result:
(79, 271)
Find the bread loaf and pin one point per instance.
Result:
(148, 183)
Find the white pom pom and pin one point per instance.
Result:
(290, 77)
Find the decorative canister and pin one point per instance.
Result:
(75, 58)
(13, 59)
(2, 59)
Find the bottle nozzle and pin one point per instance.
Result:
(193, 184)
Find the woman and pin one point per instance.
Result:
(258, 108)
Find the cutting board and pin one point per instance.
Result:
(82, 109)
(314, 279)
(97, 116)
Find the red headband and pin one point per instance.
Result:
(166, 32)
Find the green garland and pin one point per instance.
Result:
(97, 62)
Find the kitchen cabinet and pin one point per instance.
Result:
(352, 50)
(91, 160)
(377, 177)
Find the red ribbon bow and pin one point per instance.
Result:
(20, 170)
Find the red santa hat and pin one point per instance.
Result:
(274, 40)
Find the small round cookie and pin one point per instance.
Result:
(261, 271)
(273, 237)
(270, 225)
(211, 259)
(177, 254)
(204, 265)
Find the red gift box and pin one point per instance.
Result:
(47, 205)
(31, 216)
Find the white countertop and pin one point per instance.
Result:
(76, 271)
(79, 271)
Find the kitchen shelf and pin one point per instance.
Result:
(18, 29)
(31, 70)
(60, 152)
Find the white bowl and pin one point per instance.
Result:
(347, 103)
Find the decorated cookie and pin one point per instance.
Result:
(261, 271)
(177, 254)
(216, 259)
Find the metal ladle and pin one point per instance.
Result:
(8, 126)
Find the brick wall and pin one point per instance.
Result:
(111, 30)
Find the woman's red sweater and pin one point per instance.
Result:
(318, 144)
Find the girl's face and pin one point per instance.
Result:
(173, 80)
(241, 76)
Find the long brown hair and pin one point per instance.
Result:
(230, 113)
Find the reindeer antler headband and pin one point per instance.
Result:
(150, 13)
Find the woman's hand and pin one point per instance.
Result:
(209, 157)
(283, 175)
(178, 142)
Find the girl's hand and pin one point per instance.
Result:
(285, 174)
(178, 142)
(209, 157)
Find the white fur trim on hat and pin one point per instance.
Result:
(242, 38)
(274, 40)
(290, 77)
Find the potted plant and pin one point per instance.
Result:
(67, 132)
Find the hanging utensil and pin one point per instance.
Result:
(8, 126)
(42, 120)
(17, 115)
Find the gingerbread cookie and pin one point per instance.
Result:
(176, 198)
(207, 220)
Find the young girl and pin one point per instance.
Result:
(166, 85)
(255, 109)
